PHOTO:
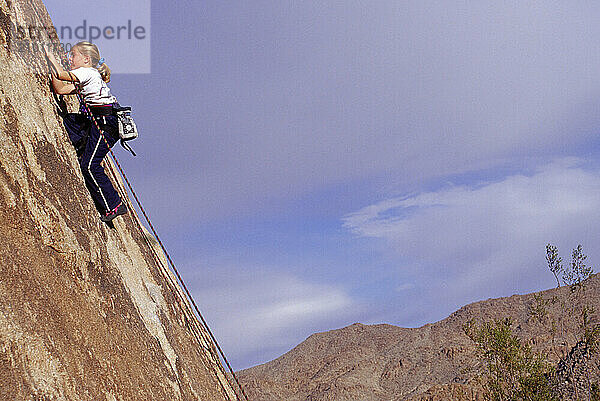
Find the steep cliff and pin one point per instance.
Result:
(87, 311)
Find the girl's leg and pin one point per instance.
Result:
(98, 183)
(77, 126)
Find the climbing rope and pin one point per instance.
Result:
(171, 263)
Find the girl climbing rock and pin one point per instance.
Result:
(90, 73)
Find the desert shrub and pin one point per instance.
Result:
(513, 371)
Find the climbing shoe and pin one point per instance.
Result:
(111, 214)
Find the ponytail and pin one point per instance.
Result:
(91, 50)
(104, 71)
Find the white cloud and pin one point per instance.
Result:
(471, 242)
(258, 314)
(291, 312)
(515, 209)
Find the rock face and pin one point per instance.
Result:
(434, 362)
(87, 311)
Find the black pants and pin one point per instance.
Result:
(91, 149)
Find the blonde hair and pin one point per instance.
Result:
(91, 50)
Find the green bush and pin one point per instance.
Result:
(513, 371)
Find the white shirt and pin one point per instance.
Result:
(93, 88)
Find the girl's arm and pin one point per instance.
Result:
(59, 76)
(61, 87)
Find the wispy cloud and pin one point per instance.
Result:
(258, 314)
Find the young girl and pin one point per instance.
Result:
(89, 72)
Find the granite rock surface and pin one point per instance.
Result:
(88, 311)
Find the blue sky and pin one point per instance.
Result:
(315, 164)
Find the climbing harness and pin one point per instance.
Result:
(127, 128)
(190, 299)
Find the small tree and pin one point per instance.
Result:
(579, 271)
(554, 261)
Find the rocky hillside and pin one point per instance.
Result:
(87, 310)
(434, 362)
